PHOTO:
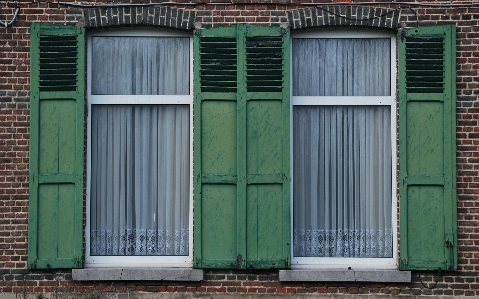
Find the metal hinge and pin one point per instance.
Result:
(449, 240)
(239, 260)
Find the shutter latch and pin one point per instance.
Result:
(239, 260)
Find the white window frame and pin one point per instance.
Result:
(138, 261)
(343, 262)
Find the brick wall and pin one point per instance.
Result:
(19, 281)
(14, 155)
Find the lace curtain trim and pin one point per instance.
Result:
(343, 243)
(139, 242)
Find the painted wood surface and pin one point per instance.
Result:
(55, 228)
(241, 148)
(427, 175)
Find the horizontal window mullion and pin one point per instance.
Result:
(140, 99)
(343, 100)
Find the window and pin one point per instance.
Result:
(343, 149)
(233, 126)
(139, 194)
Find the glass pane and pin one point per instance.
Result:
(139, 194)
(341, 67)
(140, 65)
(342, 181)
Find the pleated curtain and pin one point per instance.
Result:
(341, 67)
(140, 168)
(140, 66)
(342, 154)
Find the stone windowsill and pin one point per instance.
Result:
(187, 274)
(345, 275)
(98, 274)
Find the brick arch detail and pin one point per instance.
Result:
(348, 16)
(161, 16)
(189, 19)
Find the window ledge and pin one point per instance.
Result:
(345, 275)
(137, 274)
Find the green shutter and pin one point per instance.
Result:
(241, 148)
(55, 238)
(427, 172)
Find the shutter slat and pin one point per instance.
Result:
(60, 55)
(426, 55)
(217, 56)
(262, 56)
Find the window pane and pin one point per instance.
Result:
(341, 67)
(139, 180)
(140, 65)
(342, 181)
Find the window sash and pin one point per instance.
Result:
(388, 100)
(140, 261)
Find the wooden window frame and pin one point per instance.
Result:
(147, 260)
(355, 263)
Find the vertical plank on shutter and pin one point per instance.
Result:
(56, 147)
(215, 148)
(267, 139)
(428, 233)
(241, 146)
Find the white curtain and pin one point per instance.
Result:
(342, 181)
(139, 180)
(342, 154)
(341, 67)
(140, 65)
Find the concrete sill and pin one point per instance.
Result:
(169, 274)
(345, 275)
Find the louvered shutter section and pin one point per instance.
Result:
(425, 64)
(427, 176)
(241, 148)
(218, 64)
(55, 238)
(264, 63)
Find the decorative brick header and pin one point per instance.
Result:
(102, 17)
(189, 19)
(358, 16)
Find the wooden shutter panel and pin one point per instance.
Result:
(241, 129)
(427, 149)
(55, 238)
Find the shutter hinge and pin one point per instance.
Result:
(449, 240)
(239, 260)
(403, 264)
(450, 252)
(197, 262)
(78, 261)
(402, 32)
